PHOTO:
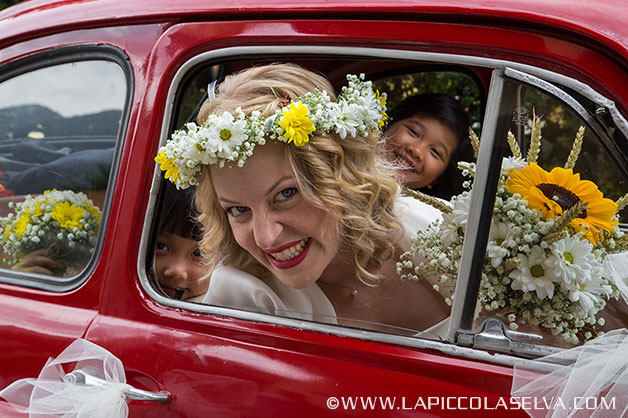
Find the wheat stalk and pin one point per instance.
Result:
(535, 140)
(475, 142)
(514, 147)
(576, 147)
(430, 200)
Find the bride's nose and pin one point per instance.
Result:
(266, 230)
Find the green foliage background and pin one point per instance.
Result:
(6, 3)
(458, 85)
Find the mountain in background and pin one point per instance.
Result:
(18, 121)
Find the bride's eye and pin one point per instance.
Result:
(236, 211)
(286, 194)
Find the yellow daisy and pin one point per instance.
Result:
(69, 216)
(556, 191)
(382, 100)
(92, 210)
(296, 124)
(36, 210)
(167, 165)
(21, 224)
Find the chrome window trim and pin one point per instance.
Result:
(242, 52)
(464, 305)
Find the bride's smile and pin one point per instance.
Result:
(271, 219)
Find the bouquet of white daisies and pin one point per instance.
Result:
(549, 237)
(64, 222)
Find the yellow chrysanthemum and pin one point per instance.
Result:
(297, 124)
(21, 224)
(382, 100)
(69, 216)
(36, 210)
(92, 210)
(556, 191)
(167, 165)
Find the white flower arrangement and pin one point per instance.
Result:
(358, 110)
(64, 222)
(549, 237)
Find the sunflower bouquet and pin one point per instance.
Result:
(64, 222)
(549, 236)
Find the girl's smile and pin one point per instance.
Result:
(421, 146)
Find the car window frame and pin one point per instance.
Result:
(503, 89)
(67, 55)
(463, 310)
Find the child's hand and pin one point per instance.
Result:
(37, 262)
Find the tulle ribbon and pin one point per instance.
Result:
(586, 381)
(615, 267)
(49, 395)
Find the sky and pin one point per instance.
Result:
(72, 89)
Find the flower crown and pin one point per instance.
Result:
(358, 110)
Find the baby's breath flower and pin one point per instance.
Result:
(225, 138)
(543, 273)
(65, 222)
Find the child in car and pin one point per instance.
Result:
(179, 264)
(427, 137)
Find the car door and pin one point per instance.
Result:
(210, 358)
(216, 360)
(58, 132)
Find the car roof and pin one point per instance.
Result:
(600, 21)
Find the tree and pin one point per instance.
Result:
(6, 3)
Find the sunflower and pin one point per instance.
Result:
(557, 191)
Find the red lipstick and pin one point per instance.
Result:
(293, 261)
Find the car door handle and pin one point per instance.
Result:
(94, 377)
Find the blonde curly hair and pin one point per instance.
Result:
(348, 178)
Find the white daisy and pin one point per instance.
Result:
(535, 273)
(348, 120)
(192, 147)
(589, 293)
(455, 223)
(371, 109)
(225, 133)
(499, 233)
(574, 259)
(512, 163)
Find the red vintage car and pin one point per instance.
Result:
(90, 89)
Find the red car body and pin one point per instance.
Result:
(215, 364)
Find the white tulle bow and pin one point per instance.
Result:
(615, 267)
(586, 381)
(50, 395)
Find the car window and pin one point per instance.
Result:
(554, 224)
(446, 256)
(59, 127)
(462, 88)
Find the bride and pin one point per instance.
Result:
(301, 212)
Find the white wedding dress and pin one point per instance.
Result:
(234, 288)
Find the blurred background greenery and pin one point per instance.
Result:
(6, 3)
